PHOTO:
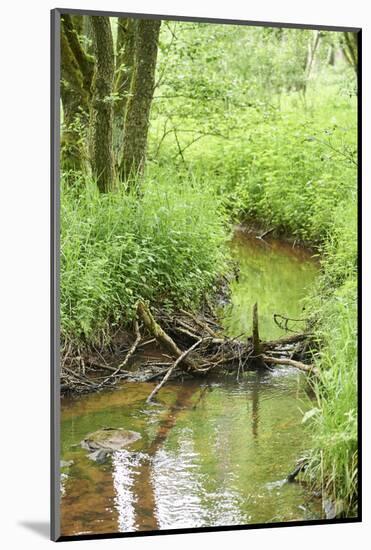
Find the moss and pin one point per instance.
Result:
(139, 103)
(101, 112)
(125, 58)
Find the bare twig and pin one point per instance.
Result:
(261, 237)
(172, 368)
(127, 357)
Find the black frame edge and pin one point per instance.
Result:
(359, 267)
(215, 20)
(54, 280)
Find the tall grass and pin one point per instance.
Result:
(334, 458)
(166, 247)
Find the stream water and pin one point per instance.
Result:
(214, 454)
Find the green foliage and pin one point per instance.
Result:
(289, 169)
(167, 248)
(334, 455)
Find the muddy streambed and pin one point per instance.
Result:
(211, 453)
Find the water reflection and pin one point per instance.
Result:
(273, 274)
(255, 406)
(204, 459)
(123, 474)
(213, 454)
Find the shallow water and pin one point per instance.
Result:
(211, 454)
(274, 274)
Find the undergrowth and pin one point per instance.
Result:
(334, 457)
(167, 247)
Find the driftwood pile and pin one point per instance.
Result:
(190, 346)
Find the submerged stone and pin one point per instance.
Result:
(104, 442)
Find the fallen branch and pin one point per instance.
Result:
(127, 357)
(186, 331)
(283, 324)
(155, 329)
(290, 362)
(200, 323)
(171, 369)
(261, 237)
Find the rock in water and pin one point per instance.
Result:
(104, 442)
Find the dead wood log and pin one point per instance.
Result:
(289, 362)
(93, 366)
(155, 329)
(181, 358)
(286, 340)
(255, 331)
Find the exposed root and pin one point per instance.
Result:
(291, 363)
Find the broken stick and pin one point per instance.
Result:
(172, 368)
(255, 330)
(154, 328)
(127, 357)
(291, 363)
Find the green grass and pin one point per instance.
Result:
(168, 247)
(333, 463)
(334, 456)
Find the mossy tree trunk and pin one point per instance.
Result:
(101, 110)
(140, 98)
(106, 98)
(76, 75)
(125, 57)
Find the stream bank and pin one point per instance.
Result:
(214, 450)
(270, 271)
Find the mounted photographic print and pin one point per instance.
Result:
(205, 367)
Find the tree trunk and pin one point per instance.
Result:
(76, 71)
(101, 112)
(72, 30)
(350, 49)
(140, 99)
(312, 48)
(125, 57)
(331, 55)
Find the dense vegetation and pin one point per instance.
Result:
(168, 248)
(233, 124)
